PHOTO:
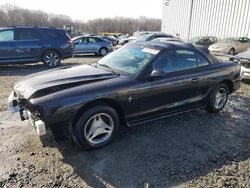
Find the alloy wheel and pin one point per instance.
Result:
(220, 98)
(99, 128)
(103, 52)
(52, 59)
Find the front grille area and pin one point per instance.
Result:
(245, 63)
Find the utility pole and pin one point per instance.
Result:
(190, 19)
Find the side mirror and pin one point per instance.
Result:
(155, 74)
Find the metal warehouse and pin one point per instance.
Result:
(220, 18)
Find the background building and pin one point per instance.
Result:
(221, 18)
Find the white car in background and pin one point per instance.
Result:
(245, 64)
(231, 45)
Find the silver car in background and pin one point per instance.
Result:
(231, 45)
(91, 44)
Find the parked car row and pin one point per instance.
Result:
(151, 36)
(32, 44)
(99, 44)
(229, 45)
(114, 40)
(204, 40)
(238, 47)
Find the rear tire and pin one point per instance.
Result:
(51, 58)
(96, 127)
(218, 98)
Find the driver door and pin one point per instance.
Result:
(172, 92)
(93, 44)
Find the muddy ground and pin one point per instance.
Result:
(194, 149)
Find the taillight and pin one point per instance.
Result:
(70, 41)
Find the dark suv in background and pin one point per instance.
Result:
(204, 41)
(32, 44)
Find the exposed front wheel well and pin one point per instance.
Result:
(232, 51)
(108, 102)
(229, 84)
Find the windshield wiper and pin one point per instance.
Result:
(110, 69)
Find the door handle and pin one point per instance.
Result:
(195, 80)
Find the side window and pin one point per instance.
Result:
(52, 34)
(81, 40)
(246, 39)
(84, 40)
(100, 40)
(202, 61)
(186, 59)
(165, 62)
(92, 40)
(212, 39)
(7, 35)
(202, 40)
(173, 61)
(78, 41)
(26, 34)
(241, 40)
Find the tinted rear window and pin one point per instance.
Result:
(26, 34)
(54, 34)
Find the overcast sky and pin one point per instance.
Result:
(91, 9)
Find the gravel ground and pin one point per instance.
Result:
(193, 149)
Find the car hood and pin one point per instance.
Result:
(47, 82)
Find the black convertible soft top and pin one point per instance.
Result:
(180, 45)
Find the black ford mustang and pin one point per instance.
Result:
(139, 82)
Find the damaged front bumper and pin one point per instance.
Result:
(245, 73)
(25, 114)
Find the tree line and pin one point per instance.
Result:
(14, 15)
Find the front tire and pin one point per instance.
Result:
(232, 51)
(51, 58)
(96, 127)
(218, 99)
(103, 51)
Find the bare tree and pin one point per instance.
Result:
(13, 15)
